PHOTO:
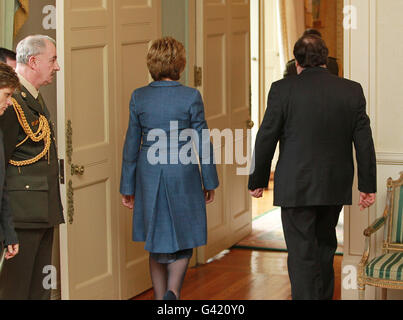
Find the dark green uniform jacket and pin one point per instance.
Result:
(34, 191)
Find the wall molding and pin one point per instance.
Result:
(389, 158)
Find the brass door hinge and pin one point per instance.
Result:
(198, 74)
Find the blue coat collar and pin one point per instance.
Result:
(165, 84)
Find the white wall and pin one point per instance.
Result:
(389, 98)
(373, 54)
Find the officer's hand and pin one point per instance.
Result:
(12, 251)
(128, 201)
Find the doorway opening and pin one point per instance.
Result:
(267, 63)
(275, 26)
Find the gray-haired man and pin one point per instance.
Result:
(32, 172)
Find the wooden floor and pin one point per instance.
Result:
(243, 275)
(240, 274)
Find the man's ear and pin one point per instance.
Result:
(298, 67)
(32, 62)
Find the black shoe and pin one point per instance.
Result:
(169, 295)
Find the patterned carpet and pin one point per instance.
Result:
(267, 233)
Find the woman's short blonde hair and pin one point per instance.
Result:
(166, 59)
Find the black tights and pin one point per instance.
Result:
(168, 276)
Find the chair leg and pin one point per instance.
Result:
(384, 294)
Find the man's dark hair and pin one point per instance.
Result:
(5, 53)
(313, 32)
(311, 51)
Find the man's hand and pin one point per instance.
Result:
(366, 200)
(128, 201)
(12, 251)
(258, 193)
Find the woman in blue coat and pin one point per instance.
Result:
(161, 178)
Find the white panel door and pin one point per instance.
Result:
(102, 46)
(223, 52)
(86, 98)
(137, 25)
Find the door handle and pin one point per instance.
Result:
(77, 170)
(250, 124)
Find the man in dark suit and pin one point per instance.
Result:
(32, 173)
(331, 64)
(8, 57)
(8, 238)
(317, 117)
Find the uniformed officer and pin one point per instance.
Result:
(32, 173)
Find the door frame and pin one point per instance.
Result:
(259, 103)
(61, 146)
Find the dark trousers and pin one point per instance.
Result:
(22, 276)
(310, 235)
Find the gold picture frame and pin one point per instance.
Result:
(315, 11)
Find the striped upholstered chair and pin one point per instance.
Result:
(386, 270)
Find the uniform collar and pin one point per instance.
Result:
(25, 94)
(165, 84)
(29, 86)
